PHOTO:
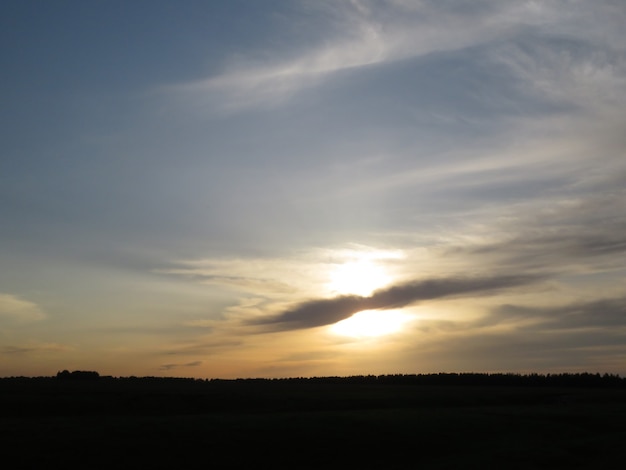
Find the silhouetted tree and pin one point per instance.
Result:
(78, 375)
(63, 375)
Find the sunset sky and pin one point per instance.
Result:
(244, 188)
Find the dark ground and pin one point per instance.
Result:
(312, 423)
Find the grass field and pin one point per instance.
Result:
(303, 424)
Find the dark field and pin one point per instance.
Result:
(393, 422)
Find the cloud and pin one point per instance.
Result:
(204, 348)
(567, 70)
(177, 366)
(550, 351)
(302, 273)
(527, 338)
(36, 347)
(250, 83)
(359, 34)
(265, 277)
(16, 309)
(328, 311)
(579, 230)
(567, 336)
(605, 314)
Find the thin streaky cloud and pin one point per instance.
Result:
(178, 366)
(32, 348)
(590, 315)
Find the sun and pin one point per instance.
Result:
(371, 323)
(360, 277)
(362, 274)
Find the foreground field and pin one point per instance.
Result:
(309, 424)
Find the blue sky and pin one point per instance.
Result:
(243, 188)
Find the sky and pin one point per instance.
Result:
(303, 188)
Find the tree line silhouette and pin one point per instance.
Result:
(89, 393)
(565, 379)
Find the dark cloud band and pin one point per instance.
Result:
(328, 311)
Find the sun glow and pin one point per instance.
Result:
(360, 277)
(362, 273)
(371, 323)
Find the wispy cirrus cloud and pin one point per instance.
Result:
(368, 34)
(585, 75)
(249, 84)
(15, 308)
(578, 229)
